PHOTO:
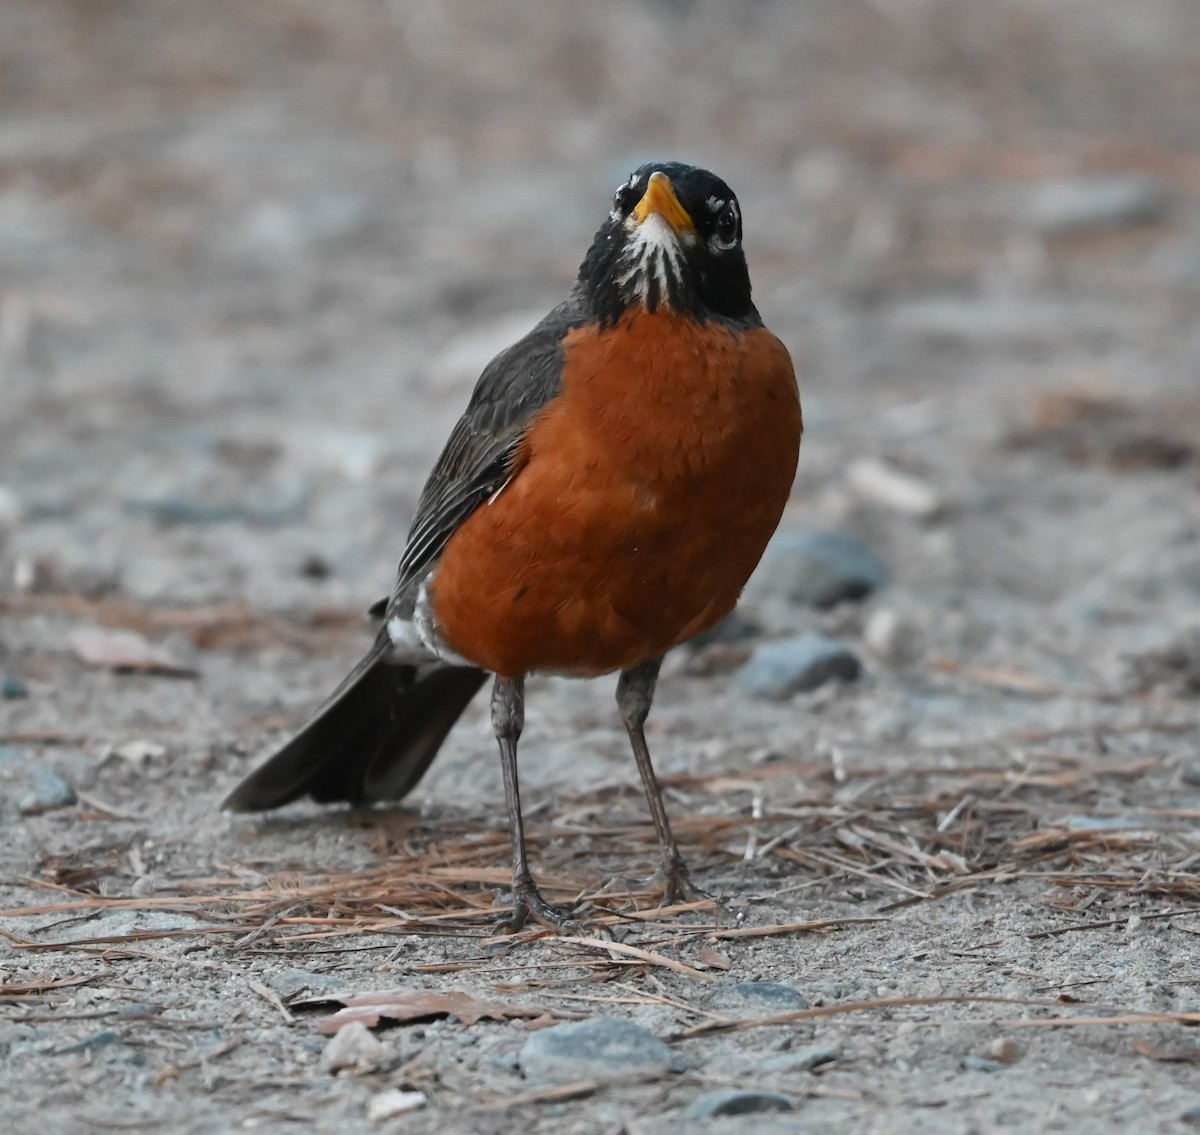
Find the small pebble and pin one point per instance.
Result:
(891, 636)
(820, 568)
(780, 669)
(602, 1048)
(352, 1046)
(1005, 1050)
(756, 999)
(50, 791)
(884, 484)
(12, 689)
(315, 567)
(734, 1101)
(384, 1105)
(803, 1060)
(135, 752)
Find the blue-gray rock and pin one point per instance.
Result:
(1191, 1116)
(135, 1009)
(286, 504)
(734, 1101)
(803, 1060)
(734, 628)
(599, 1049)
(96, 1040)
(756, 999)
(779, 669)
(1078, 204)
(973, 1063)
(49, 791)
(820, 568)
(12, 688)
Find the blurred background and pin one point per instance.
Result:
(253, 257)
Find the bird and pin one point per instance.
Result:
(605, 496)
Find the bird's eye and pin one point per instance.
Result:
(626, 198)
(727, 225)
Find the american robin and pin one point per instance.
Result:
(605, 496)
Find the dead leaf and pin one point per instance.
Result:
(714, 959)
(125, 652)
(401, 1005)
(1169, 1054)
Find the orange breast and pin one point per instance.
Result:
(648, 491)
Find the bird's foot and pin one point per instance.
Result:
(676, 881)
(528, 905)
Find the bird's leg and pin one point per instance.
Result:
(635, 692)
(508, 718)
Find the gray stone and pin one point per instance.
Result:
(352, 1046)
(602, 1048)
(820, 568)
(803, 1060)
(286, 227)
(1079, 204)
(756, 999)
(977, 320)
(780, 669)
(734, 1101)
(290, 983)
(891, 636)
(12, 688)
(49, 791)
(1191, 1116)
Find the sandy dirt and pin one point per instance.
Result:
(252, 259)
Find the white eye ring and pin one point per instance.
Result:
(619, 198)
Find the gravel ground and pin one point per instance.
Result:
(252, 258)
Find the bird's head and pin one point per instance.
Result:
(672, 240)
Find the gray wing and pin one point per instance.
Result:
(478, 455)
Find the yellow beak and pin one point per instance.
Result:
(660, 198)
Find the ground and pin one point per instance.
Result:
(252, 258)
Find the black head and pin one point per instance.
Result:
(673, 240)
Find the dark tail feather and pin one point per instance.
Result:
(371, 741)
